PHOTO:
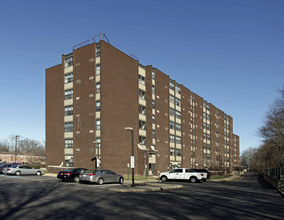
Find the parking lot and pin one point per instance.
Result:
(44, 197)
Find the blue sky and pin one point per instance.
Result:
(229, 52)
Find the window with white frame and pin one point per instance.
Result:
(142, 94)
(172, 125)
(68, 78)
(178, 152)
(68, 110)
(68, 94)
(98, 87)
(141, 79)
(172, 99)
(142, 140)
(172, 112)
(68, 127)
(178, 114)
(98, 69)
(172, 151)
(68, 61)
(178, 91)
(178, 140)
(142, 110)
(172, 138)
(68, 143)
(172, 85)
(98, 106)
(142, 125)
(98, 124)
(178, 127)
(178, 102)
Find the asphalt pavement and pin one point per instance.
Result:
(149, 184)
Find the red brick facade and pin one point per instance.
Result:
(106, 85)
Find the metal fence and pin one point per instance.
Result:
(274, 173)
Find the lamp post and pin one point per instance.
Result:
(17, 136)
(132, 154)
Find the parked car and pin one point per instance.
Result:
(203, 171)
(22, 170)
(71, 174)
(6, 165)
(101, 177)
(182, 174)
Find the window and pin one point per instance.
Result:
(68, 94)
(98, 106)
(153, 104)
(98, 69)
(142, 125)
(172, 86)
(172, 99)
(142, 94)
(153, 134)
(98, 51)
(153, 119)
(172, 151)
(68, 61)
(142, 140)
(68, 77)
(68, 127)
(98, 124)
(69, 162)
(178, 102)
(141, 79)
(178, 114)
(192, 143)
(98, 87)
(68, 143)
(172, 112)
(178, 89)
(142, 110)
(153, 74)
(178, 152)
(172, 138)
(178, 140)
(153, 90)
(172, 125)
(178, 127)
(68, 110)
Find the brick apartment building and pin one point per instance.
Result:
(97, 91)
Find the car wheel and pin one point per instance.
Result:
(76, 179)
(100, 181)
(38, 173)
(193, 179)
(164, 178)
(121, 180)
(18, 173)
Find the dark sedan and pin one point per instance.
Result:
(71, 174)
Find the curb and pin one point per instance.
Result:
(151, 187)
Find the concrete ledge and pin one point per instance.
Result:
(148, 187)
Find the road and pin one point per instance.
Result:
(42, 197)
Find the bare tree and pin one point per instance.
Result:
(248, 159)
(272, 133)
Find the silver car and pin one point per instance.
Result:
(101, 177)
(22, 170)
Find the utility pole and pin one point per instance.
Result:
(17, 136)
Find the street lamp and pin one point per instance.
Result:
(132, 155)
(17, 136)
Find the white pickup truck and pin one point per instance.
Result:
(183, 174)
